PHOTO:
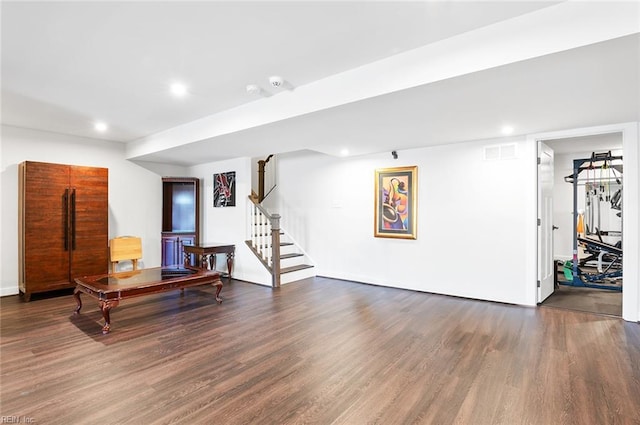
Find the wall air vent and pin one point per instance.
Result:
(491, 153)
(495, 152)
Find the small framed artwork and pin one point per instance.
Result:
(224, 189)
(395, 202)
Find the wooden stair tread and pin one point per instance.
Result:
(281, 244)
(295, 268)
(292, 255)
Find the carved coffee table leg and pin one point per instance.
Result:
(106, 306)
(230, 256)
(76, 295)
(218, 285)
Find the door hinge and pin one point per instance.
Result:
(539, 222)
(539, 161)
(538, 284)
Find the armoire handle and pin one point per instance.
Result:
(73, 219)
(66, 219)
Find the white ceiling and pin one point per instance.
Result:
(67, 64)
(586, 144)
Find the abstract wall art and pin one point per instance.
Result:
(395, 202)
(224, 189)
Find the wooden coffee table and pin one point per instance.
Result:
(110, 288)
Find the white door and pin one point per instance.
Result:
(546, 266)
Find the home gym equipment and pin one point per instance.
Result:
(602, 267)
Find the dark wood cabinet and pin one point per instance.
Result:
(172, 251)
(63, 225)
(180, 217)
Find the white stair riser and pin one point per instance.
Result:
(288, 249)
(297, 275)
(288, 262)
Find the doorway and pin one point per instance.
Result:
(591, 206)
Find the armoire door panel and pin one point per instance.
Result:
(169, 250)
(186, 240)
(45, 211)
(90, 227)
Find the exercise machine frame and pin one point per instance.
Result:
(580, 278)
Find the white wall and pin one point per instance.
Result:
(135, 193)
(476, 231)
(229, 224)
(472, 220)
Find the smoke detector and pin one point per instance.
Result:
(276, 81)
(253, 89)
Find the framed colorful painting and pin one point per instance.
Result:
(224, 189)
(395, 202)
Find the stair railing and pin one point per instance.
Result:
(265, 239)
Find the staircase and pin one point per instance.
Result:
(277, 251)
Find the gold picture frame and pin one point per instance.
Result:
(396, 202)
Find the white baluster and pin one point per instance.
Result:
(262, 239)
(254, 240)
(268, 243)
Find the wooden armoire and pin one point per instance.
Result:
(63, 225)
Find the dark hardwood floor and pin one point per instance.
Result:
(319, 351)
(591, 300)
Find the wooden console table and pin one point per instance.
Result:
(110, 288)
(207, 253)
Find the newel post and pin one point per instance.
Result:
(261, 165)
(275, 250)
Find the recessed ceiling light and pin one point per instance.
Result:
(507, 129)
(344, 152)
(100, 126)
(178, 89)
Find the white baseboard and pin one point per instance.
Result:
(5, 292)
